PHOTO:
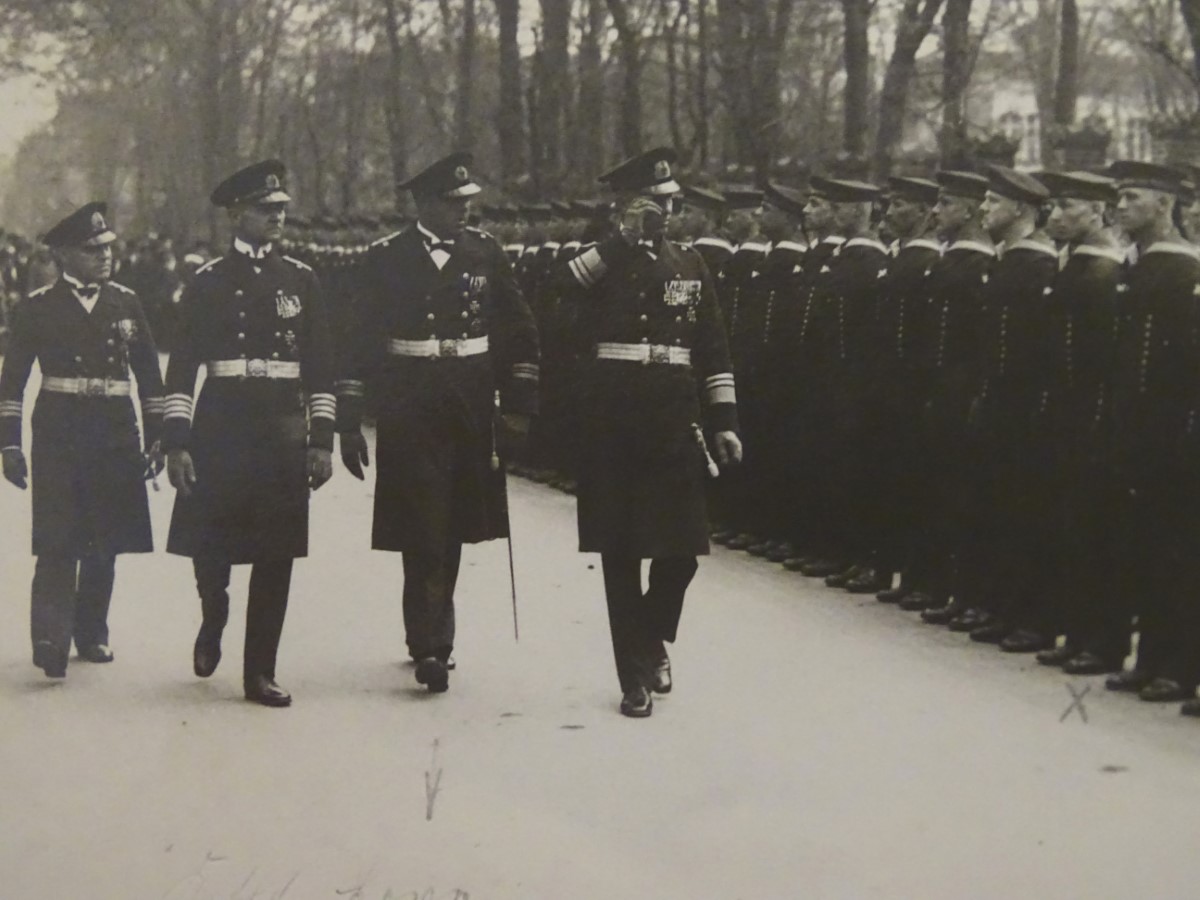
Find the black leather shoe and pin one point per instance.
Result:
(723, 535)
(265, 691)
(1127, 682)
(660, 670)
(868, 582)
(762, 548)
(844, 577)
(432, 673)
(781, 553)
(741, 541)
(1057, 656)
(1023, 641)
(969, 619)
(1190, 708)
(822, 568)
(940, 615)
(798, 563)
(637, 703)
(206, 656)
(50, 659)
(992, 631)
(1088, 663)
(1164, 690)
(96, 653)
(919, 601)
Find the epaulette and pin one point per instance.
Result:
(385, 240)
(299, 265)
(120, 287)
(39, 291)
(480, 232)
(208, 265)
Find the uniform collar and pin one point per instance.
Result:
(864, 242)
(976, 246)
(249, 252)
(1112, 253)
(1168, 247)
(923, 242)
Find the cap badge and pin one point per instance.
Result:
(98, 222)
(461, 174)
(273, 182)
(662, 170)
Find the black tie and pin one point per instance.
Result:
(88, 292)
(447, 246)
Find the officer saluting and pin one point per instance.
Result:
(244, 465)
(439, 326)
(89, 497)
(652, 317)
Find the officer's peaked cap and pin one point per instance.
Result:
(957, 183)
(788, 199)
(921, 190)
(449, 178)
(86, 227)
(648, 172)
(1079, 186)
(262, 182)
(1135, 174)
(1016, 185)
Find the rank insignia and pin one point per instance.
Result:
(128, 329)
(681, 292)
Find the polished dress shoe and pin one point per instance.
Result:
(206, 656)
(798, 563)
(762, 548)
(451, 665)
(723, 535)
(969, 619)
(1127, 682)
(1025, 641)
(432, 673)
(1190, 708)
(844, 577)
(50, 659)
(868, 581)
(741, 541)
(1057, 656)
(940, 615)
(893, 594)
(822, 568)
(1088, 663)
(991, 631)
(263, 690)
(637, 703)
(96, 653)
(660, 670)
(1164, 690)
(782, 552)
(919, 601)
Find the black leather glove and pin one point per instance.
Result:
(353, 448)
(15, 470)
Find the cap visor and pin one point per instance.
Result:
(665, 187)
(104, 237)
(273, 197)
(465, 190)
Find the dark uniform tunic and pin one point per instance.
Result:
(89, 496)
(259, 327)
(1068, 431)
(641, 480)
(1155, 448)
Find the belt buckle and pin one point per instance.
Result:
(660, 353)
(95, 387)
(257, 368)
(448, 347)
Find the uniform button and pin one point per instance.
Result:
(241, 356)
(645, 340)
(79, 359)
(643, 317)
(275, 355)
(679, 318)
(111, 342)
(678, 341)
(431, 316)
(464, 335)
(465, 314)
(242, 314)
(433, 337)
(641, 295)
(111, 360)
(278, 334)
(241, 335)
(238, 292)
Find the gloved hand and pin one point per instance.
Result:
(15, 469)
(643, 219)
(154, 461)
(729, 448)
(181, 472)
(319, 465)
(354, 452)
(513, 434)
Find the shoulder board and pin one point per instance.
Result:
(480, 232)
(208, 265)
(40, 291)
(299, 265)
(120, 287)
(385, 240)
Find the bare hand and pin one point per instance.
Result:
(355, 457)
(729, 448)
(181, 472)
(319, 464)
(15, 469)
(514, 434)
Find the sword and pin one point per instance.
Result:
(698, 435)
(512, 571)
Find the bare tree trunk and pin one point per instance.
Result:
(956, 67)
(589, 152)
(509, 125)
(464, 122)
(703, 107)
(394, 101)
(856, 55)
(1191, 18)
(630, 53)
(555, 85)
(671, 25)
(916, 21)
(1066, 89)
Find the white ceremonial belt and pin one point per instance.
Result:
(252, 368)
(435, 349)
(645, 353)
(88, 387)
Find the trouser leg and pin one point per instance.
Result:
(669, 580)
(52, 602)
(265, 611)
(626, 618)
(429, 582)
(212, 583)
(92, 598)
